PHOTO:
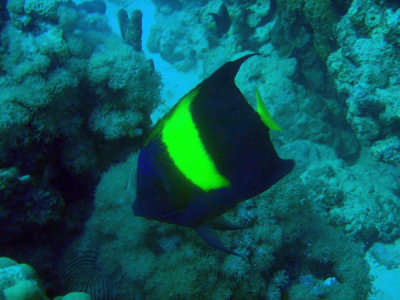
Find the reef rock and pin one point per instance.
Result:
(364, 69)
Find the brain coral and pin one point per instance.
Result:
(42, 8)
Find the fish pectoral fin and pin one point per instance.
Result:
(208, 235)
(221, 223)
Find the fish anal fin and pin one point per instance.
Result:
(265, 114)
(209, 236)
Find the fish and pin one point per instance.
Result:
(222, 20)
(211, 151)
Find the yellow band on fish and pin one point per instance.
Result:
(186, 149)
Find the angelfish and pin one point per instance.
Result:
(210, 152)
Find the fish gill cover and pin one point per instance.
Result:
(76, 97)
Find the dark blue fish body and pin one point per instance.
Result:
(222, 20)
(210, 152)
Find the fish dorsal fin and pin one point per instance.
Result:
(229, 70)
(265, 114)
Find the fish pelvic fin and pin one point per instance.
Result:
(209, 236)
(264, 114)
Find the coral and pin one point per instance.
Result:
(205, 46)
(275, 77)
(259, 13)
(19, 281)
(94, 6)
(131, 28)
(16, 6)
(24, 290)
(53, 141)
(164, 42)
(393, 31)
(25, 206)
(82, 273)
(387, 150)
(117, 71)
(389, 100)
(365, 209)
(363, 70)
(46, 69)
(43, 8)
(74, 97)
(74, 296)
(287, 237)
(52, 45)
(68, 18)
(321, 16)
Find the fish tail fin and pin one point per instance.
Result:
(208, 235)
(264, 114)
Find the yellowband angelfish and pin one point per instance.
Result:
(210, 152)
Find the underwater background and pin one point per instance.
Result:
(82, 82)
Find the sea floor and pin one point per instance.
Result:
(385, 271)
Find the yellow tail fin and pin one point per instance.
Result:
(264, 113)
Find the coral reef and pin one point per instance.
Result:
(288, 237)
(131, 28)
(333, 190)
(319, 16)
(82, 273)
(74, 296)
(364, 71)
(387, 150)
(94, 6)
(19, 281)
(71, 93)
(208, 43)
(347, 196)
(75, 97)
